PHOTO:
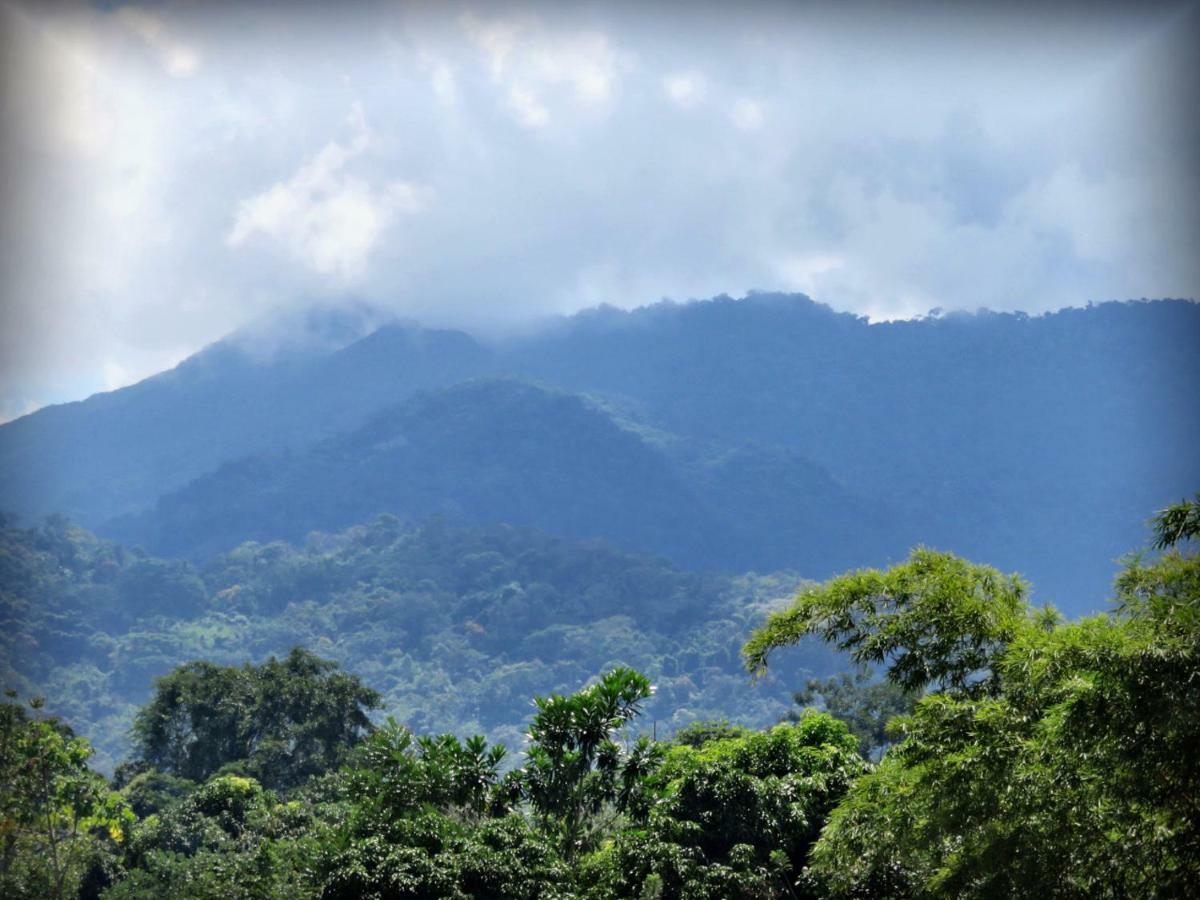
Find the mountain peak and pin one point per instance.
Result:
(316, 328)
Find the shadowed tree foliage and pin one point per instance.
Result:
(457, 628)
(227, 840)
(392, 773)
(431, 817)
(281, 722)
(1176, 523)
(573, 765)
(1043, 758)
(731, 817)
(865, 704)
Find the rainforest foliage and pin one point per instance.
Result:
(1047, 757)
(1032, 756)
(456, 628)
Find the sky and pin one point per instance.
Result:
(173, 171)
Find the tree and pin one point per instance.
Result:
(58, 819)
(1053, 758)
(935, 620)
(391, 774)
(430, 856)
(732, 817)
(282, 722)
(573, 766)
(430, 817)
(863, 703)
(229, 839)
(1177, 523)
(697, 734)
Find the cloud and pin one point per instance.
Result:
(803, 273)
(747, 115)
(684, 89)
(528, 107)
(530, 61)
(15, 407)
(495, 39)
(523, 161)
(177, 58)
(325, 216)
(441, 77)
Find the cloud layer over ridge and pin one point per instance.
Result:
(178, 169)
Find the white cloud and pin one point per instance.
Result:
(530, 61)
(684, 89)
(585, 61)
(496, 39)
(528, 108)
(441, 78)
(1100, 215)
(804, 273)
(146, 215)
(115, 374)
(434, 64)
(747, 114)
(14, 408)
(325, 216)
(178, 58)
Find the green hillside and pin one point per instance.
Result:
(503, 450)
(1026, 755)
(456, 627)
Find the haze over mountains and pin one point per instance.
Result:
(732, 435)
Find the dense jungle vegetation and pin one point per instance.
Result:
(457, 628)
(1028, 756)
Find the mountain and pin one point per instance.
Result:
(117, 452)
(1034, 443)
(457, 627)
(503, 450)
(776, 432)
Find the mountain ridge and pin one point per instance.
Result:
(1035, 442)
(499, 449)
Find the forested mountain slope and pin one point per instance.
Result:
(999, 435)
(457, 628)
(1037, 443)
(501, 450)
(116, 452)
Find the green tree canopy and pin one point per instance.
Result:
(1178, 522)
(935, 620)
(281, 722)
(1054, 759)
(59, 821)
(573, 766)
(732, 817)
(864, 703)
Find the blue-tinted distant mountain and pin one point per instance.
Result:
(1036, 443)
(117, 452)
(502, 450)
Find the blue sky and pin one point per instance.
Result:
(173, 171)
